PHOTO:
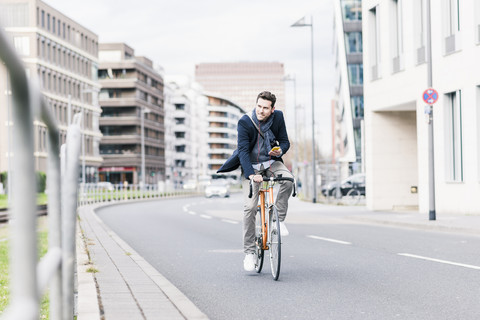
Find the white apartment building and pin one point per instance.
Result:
(348, 102)
(395, 64)
(187, 114)
(223, 116)
(63, 56)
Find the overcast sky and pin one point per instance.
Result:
(177, 34)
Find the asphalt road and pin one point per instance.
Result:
(332, 267)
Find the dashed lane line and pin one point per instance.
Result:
(440, 261)
(204, 216)
(329, 240)
(230, 221)
(192, 213)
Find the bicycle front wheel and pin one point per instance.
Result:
(258, 241)
(275, 242)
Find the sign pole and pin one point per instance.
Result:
(431, 158)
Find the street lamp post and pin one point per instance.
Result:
(142, 124)
(295, 163)
(301, 23)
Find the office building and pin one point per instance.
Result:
(348, 102)
(63, 56)
(241, 82)
(187, 127)
(396, 125)
(223, 116)
(132, 120)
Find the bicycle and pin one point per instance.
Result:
(267, 233)
(353, 195)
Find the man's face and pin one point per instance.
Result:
(264, 109)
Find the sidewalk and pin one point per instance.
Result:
(124, 286)
(469, 224)
(128, 287)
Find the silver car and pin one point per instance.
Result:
(217, 187)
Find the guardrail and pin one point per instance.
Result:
(30, 278)
(90, 194)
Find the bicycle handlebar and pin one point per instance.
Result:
(274, 179)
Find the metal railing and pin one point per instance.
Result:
(28, 277)
(95, 193)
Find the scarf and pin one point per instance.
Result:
(260, 151)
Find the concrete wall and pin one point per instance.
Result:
(392, 150)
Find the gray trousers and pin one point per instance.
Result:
(250, 204)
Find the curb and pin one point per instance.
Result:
(89, 297)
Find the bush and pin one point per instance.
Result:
(41, 181)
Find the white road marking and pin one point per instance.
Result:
(329, 240)
(230, 221)
(440, 261)
(192, 213)
(185, 207)
(204, 216)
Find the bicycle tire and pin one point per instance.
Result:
(258, 242)
(353, 196)
(275, 242)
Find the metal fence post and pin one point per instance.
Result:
(69, 209)
(23, 253)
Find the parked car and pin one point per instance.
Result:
(217, 187)
(105, 185)
(357, 180)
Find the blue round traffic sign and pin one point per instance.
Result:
(430, 96)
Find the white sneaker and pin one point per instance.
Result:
(283, 229)
(249, 262)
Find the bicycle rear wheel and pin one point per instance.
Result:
(258, 241)
(275, 242)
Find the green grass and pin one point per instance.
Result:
(41, 200)
(4, 265)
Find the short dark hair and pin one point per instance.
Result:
(267, 95)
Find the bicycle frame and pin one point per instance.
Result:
(265, 202)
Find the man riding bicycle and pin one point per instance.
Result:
(262, 141)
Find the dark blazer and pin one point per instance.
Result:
(247, 138)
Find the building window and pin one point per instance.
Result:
(355, 74)
(453, 136)
(43, 18)
(478, 132)
(53, 25)
(477, 21)
(353, 42)
(374, 25)
(352, 10)
(397, 35)
(180, 149)
(420, 30)
(357, 106)
(48, 21)
(451, 25)
(179, 106)
(22, 45)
